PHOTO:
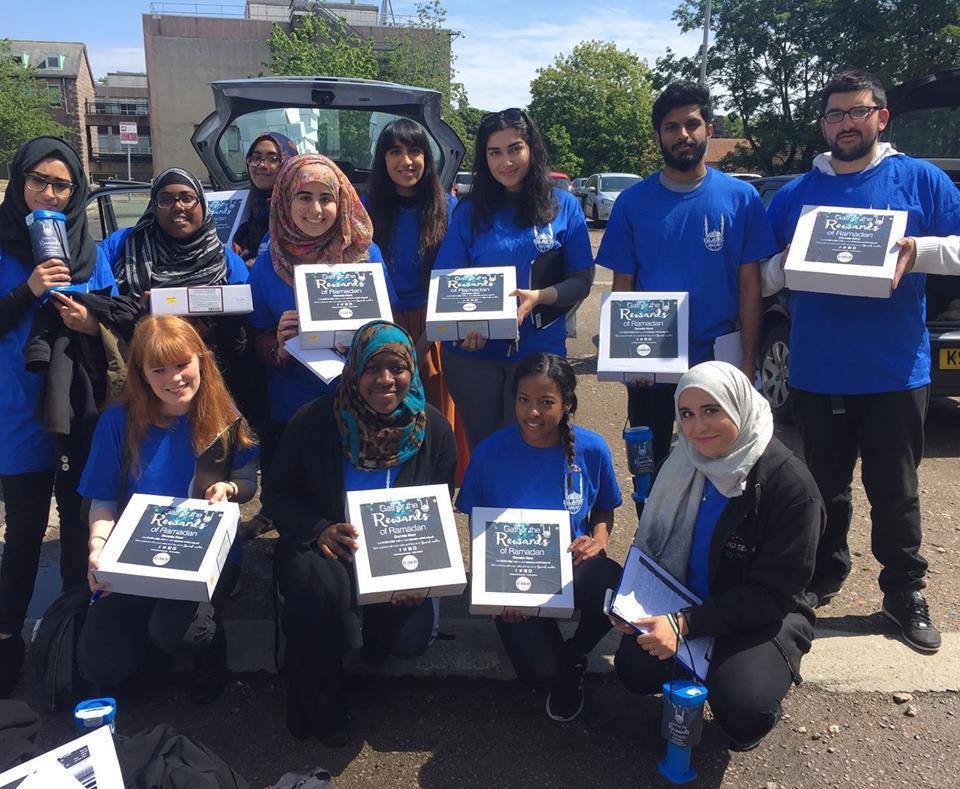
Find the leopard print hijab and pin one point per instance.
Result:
(372, 440)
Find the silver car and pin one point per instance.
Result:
(602, 191)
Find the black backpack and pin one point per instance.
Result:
(54, 650)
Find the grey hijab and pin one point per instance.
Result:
(666, 527)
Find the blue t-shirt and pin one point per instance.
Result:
(692, 241)
(167, 459)
(361, 479)
(112, 248)
(505, 471)
(405, 264)
(712, 504)
(291, 385)
(854, 344)
(505, 243)
(24, 447)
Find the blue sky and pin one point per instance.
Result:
(503, 42)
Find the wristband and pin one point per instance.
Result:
(98, 537)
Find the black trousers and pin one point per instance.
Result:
(748, 679)
(322, 624)
(27, 502)
(269, 434)
(536, 647)
(886, 432)
(653, 407)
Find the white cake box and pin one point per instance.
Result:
(643, 336)
(845, 251)
(465, 300)
(202, 300)
(408, 543)
(521, 561)
(333, 301)
(168, 547)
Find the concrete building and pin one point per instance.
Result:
(184, 54)
(65, 69)
(121, 97)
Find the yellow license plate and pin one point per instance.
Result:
(950, 358)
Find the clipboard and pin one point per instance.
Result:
(546, 270)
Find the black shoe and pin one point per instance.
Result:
(824, 593)
(565, 703)
(909, 610)
(334, 728)
(11, 661)
(210, 675)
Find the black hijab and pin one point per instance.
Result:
(153, 259)
(14, 236)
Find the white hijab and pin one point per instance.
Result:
(666, 527)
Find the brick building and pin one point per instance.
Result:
(65, 69)
(121, 97)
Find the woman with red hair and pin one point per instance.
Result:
(177, 432)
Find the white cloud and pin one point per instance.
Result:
(106, 58)
(497, 62)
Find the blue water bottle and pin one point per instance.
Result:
(639, 443)
(91, 714)
(681, 725)
(48, 236)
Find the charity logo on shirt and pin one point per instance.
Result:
(713, 239)
(171, 536)
(543, 239)
(573, 489)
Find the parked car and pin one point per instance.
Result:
(340, 118)
(561, 181)
(602, 191)
(579, 188)
(462, 184)
(925, 117)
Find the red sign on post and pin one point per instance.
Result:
(128, 134)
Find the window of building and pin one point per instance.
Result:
(51, 61)
(22, 59)
(55, 94)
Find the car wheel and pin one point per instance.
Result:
(596, 216)
(775, 370)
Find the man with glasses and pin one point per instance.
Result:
(870, 355)
(689, 228)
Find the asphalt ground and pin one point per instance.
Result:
(471, 730)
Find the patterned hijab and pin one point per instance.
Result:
(346, 242)
(153, 259)
(14, 236)
(372, 440)
(251, 233)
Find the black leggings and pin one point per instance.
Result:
(322, 624)
(27, 502)
(748, 679)
(536, 647)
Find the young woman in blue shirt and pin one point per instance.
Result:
(409, 210)
(177, 433)
(315, 217)
(45, 174)
(511, 216)
(544, 461)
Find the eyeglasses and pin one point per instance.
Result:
(856, 113)
(188, 201)
(37, 183)
(271, 160)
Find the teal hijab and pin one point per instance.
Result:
(372, 440)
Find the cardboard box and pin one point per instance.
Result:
(334, 301)
(845, 251)
(520, 561)
(168, 547)
(643, 336)
(464, 300)
(408, 543)
(202, 300)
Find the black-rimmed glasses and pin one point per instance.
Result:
(856, 113)
(37, 183)
(185, 199)
(271, 160)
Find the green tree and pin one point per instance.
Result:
(321, 45)
(770, 59)
(24, 105)
(560, 151)
(600, 96)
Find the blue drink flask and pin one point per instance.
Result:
(681, 725)
(91, 714)
(639, 444)
(48, 236)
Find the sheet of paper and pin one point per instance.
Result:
(89, 761)
(646, 589)
(325, 363)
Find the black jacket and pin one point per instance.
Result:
(762, 557)
(303, 489)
